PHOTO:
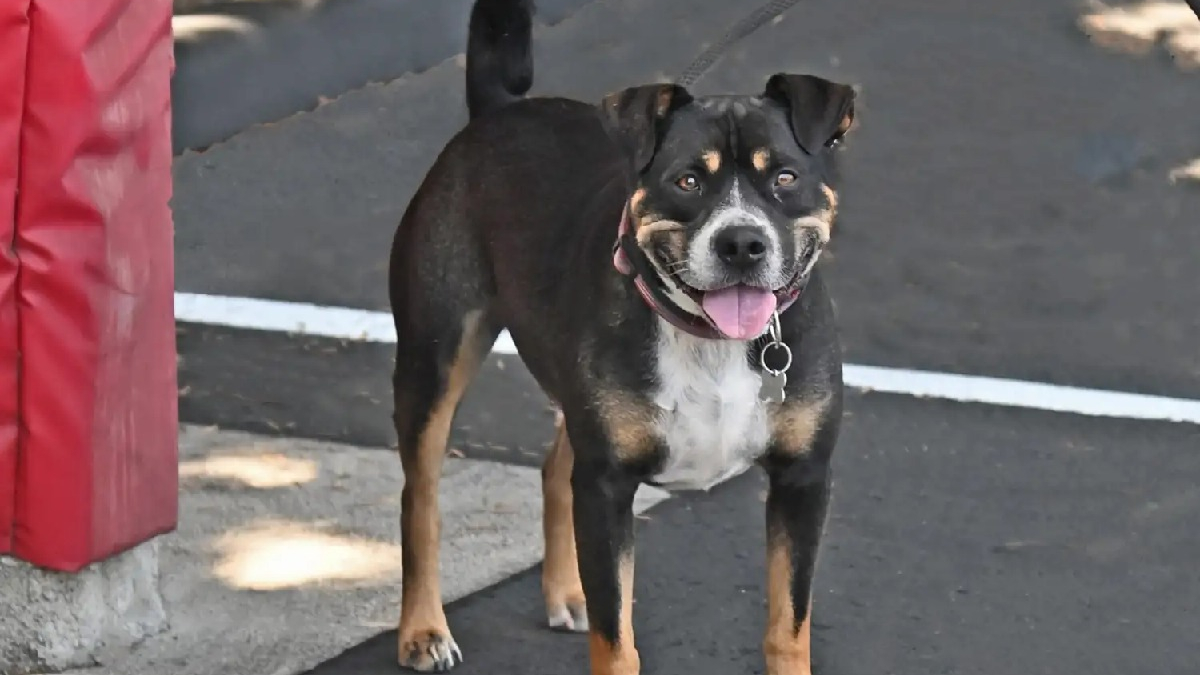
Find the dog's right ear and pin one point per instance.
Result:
(821, 111)
(635, 116)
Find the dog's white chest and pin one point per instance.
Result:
(710, 419)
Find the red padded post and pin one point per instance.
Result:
(97, 471)
(14, 35)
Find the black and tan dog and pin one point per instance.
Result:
(654, 259)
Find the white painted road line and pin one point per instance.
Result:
(370, 326)
(286, 317)
(1020, 394)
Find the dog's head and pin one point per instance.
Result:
(731, 201)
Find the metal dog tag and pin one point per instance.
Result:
(773, 380)
(771, 389)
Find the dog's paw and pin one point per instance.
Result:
(429, 651)
(568, 615)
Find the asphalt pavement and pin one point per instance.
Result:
(1006, 211)
(962, 540)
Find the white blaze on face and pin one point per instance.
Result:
(705, 268)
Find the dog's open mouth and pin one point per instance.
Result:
(740, 311)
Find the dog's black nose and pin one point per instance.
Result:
(741, 246)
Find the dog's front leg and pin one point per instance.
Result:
(796, 505)
(603, 508)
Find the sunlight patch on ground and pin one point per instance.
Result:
(262, 471)
(193, 27)
(1188, 173)
(277, 555)
(1139, 28)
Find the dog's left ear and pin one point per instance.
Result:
(821, 111)
(635, 116)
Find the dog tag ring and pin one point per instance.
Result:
(774, 380)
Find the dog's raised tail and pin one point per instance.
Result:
(499, 54)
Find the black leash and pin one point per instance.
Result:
(755, 20)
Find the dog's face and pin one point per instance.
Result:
(731, 202)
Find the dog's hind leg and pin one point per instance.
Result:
(561, 587)
(434, 364)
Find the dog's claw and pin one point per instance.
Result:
(568, 617)
(433, 653)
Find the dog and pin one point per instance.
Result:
(654, 257)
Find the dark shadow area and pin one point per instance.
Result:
(340, 390)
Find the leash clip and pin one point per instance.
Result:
(774, 380)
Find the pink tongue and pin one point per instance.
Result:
(740, 312)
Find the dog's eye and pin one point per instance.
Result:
(687, 182)
(786, 178)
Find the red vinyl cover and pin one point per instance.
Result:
(97, 471)
(14, 34)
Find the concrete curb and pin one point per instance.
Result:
(65, 619)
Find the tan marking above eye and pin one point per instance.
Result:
(712, 160)
(761, 158)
